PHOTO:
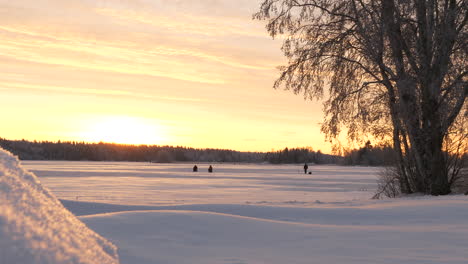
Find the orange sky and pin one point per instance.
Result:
(189, 72)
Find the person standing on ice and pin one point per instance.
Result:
(210, 169)
(305, 168)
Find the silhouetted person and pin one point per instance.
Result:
(195, 168)
(305, 168)
(210, 169)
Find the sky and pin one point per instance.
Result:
(195, 73)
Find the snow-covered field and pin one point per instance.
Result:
(256, 214)
(174, 184)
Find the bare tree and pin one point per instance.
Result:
(395, 69)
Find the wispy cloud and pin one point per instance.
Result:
(188, 23)
(5, 85)
(126, 55)
(133, 37)
(104, 56)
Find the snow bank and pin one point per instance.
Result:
(36, 229)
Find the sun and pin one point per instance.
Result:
(124, 130)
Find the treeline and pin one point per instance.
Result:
(83, 151)
(301, 155)
(369, 155)
(46, 150)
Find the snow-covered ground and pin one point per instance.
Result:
(35, 228)
(405, 232)
(174, 184)
(166, 214)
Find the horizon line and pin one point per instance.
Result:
(156, 145)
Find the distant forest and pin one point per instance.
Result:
(82, 151)
(46, 150)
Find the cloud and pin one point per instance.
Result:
(28, 45)
(188, 23)
(6, 85)
(187, 47)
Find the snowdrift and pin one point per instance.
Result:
(36, 229)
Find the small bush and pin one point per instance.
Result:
(388, 184)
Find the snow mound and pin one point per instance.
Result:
(36, 229)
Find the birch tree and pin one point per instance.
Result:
(388, 68)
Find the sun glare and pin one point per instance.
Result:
(125, 130)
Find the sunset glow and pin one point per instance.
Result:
(188, 73)
(124, 130)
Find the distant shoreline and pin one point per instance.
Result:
(83, 151)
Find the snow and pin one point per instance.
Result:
(256, 214)
(417, 230)
(36, 228)
(173, 184)
(336, 235)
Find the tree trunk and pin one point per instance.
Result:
(428, 149)
(438, 174)
(439, 184)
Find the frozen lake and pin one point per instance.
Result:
(139, 183)
(253, 214)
